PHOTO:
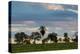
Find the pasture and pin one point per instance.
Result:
(16, 48)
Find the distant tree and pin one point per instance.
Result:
(42, 30)
(20, 37)
(35, 36)
(45, 40)
(76, 34)
(76, 37)
(23, 36)
(17, 37)
(60, 39)
(66, 38)
(65, 34)
(53, 37)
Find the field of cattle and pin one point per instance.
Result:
(16, 48)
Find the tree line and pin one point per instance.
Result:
(21, 37)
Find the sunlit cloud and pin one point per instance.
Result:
(53, 7)
(58, 7)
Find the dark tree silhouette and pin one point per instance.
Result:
(35, 36)
(17, 37)
(53, 37)
(23, 36)
(20, 37)
(59, 39)
(76, 37)
(66, 38)
(42, 30)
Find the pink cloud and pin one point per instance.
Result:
(53, 7)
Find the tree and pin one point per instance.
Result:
(60, 39)
(17, 37)
(20, 37)
(42, 30)
(53, 37)
(66, 38)
(45, 40)
(76, 37)
(35, 36)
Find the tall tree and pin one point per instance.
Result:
(76, 37)
(66, 38)
(42, 30)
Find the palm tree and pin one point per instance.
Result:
(42, 30)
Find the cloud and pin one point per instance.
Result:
(58, 28)
(24, 23)
(24, 29)
(29, 22)
(24, 26)
(32, 29)
(75, 11)
(14, 29)
(59, 7)
(53, 7)
(52, 26)
(17, 25)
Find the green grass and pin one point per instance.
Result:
(42, 47)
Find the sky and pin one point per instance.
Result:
(28, 17)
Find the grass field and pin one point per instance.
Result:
(42, 47)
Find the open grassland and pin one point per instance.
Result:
(15, 48)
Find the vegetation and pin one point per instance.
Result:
(76, 37)
(66, 38)
(53, 37)
(22, 38)
(42, 47)
(35, 36)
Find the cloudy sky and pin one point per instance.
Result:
(28, 17)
